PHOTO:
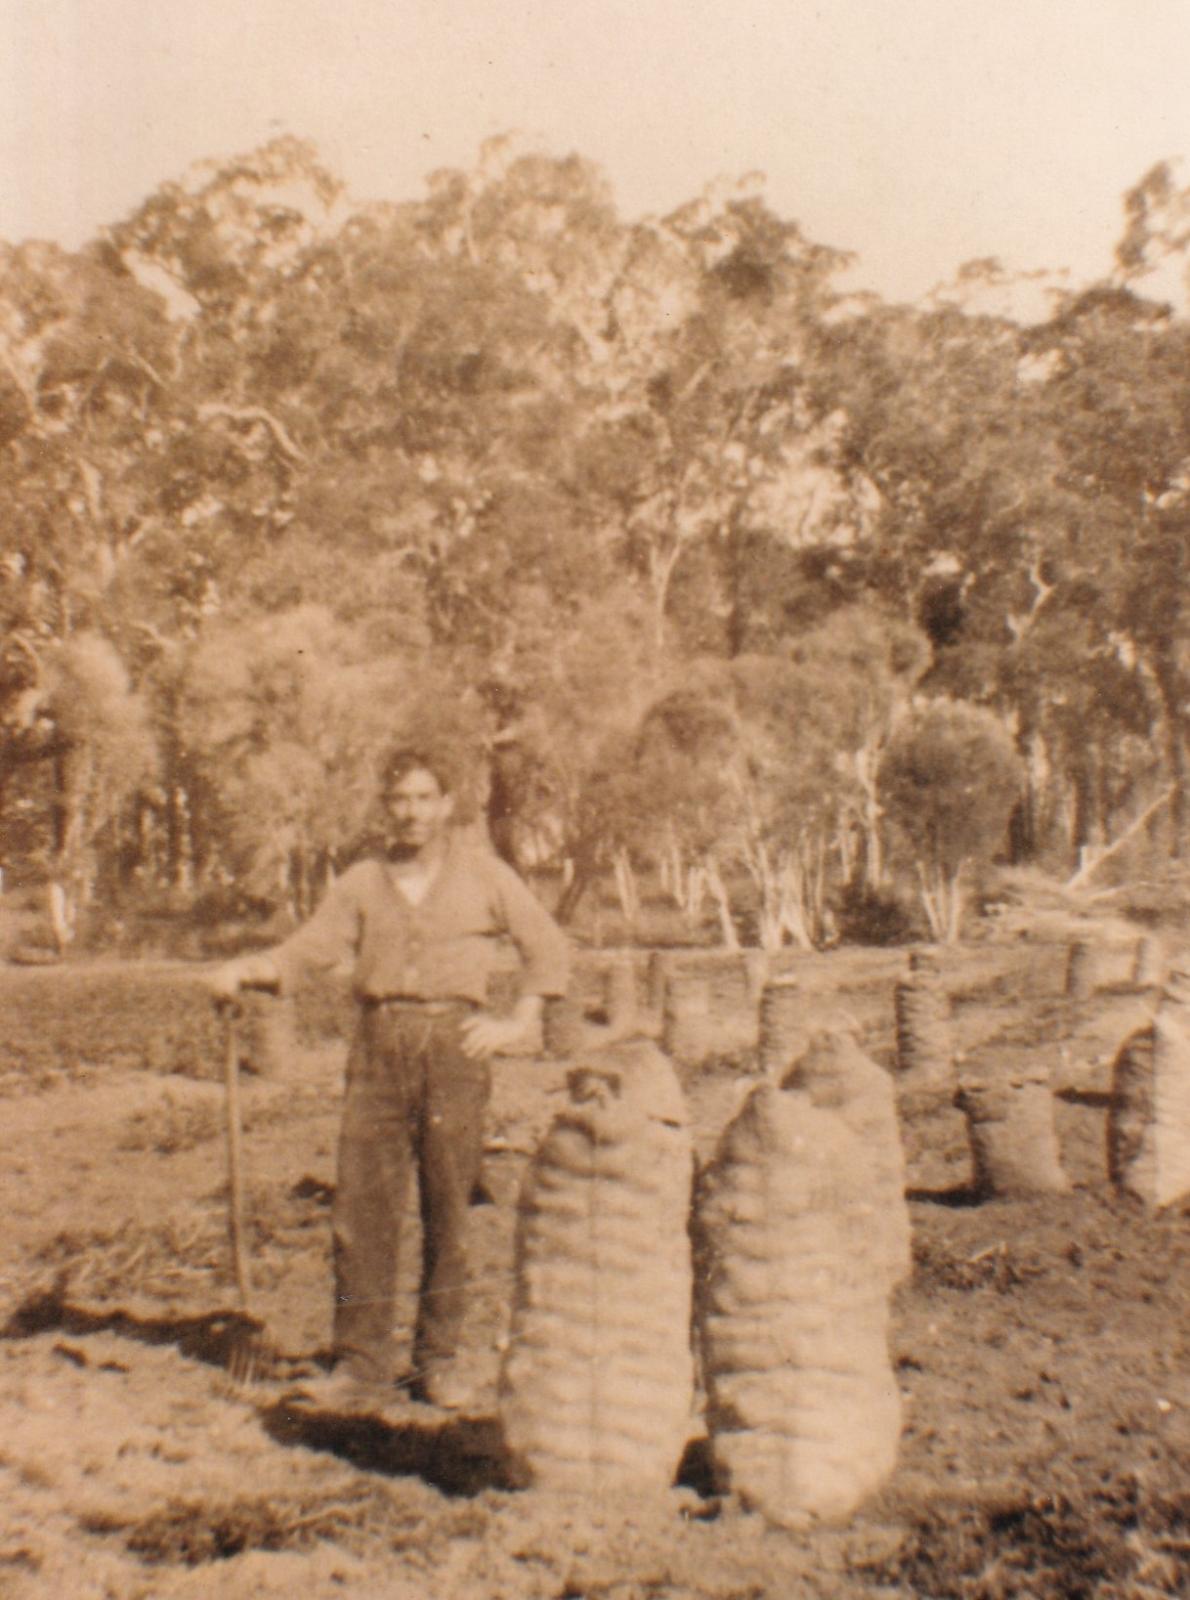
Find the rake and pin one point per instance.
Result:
(250, 1354)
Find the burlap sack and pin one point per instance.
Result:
(925, 1034)
(1009, 1106)
(1148, 963)
(596, 1385)
(708, 1009)
(926, 964)
(1099, 961)
(564, 1032)
(840, 1077)
(620, 1004)
(267, 1034)
(1148, 1125)
(780, 1028)
(803, 1410)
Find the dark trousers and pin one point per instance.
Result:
(413, 1101)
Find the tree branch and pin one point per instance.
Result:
(1092, 863)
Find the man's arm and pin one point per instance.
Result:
(545, 957)
(323, 941)
(543, 947)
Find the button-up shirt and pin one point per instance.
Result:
(442, 948)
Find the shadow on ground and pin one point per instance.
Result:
(459, 1456)
(957, 1199)
(213, 1337)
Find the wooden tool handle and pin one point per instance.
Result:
(235, 1165)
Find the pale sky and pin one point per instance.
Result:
(918, 133)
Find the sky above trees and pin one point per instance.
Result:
(918, 133)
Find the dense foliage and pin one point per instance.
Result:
(672, 533)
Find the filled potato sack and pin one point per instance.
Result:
(925, 1031)
(839, 1076)
(1007, 1099)
(803, 1411)
(709, 1006)
(1148, 1125)
(781, 1026)
(597, 1382)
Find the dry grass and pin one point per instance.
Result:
(1119, 1541)
(193, 1532)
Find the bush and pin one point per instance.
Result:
(948, 783)
(877, 917)
(22, 930)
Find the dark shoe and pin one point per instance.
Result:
(345, 1393)
(444, 1387)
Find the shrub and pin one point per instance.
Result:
(948, 782)
(876, 916)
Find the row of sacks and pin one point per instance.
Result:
(700, 999)
(703, 1003)
(1005, 1092)
(776, 1265)
(989, 1126)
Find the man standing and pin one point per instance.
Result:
(420, 928)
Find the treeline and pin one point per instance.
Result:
(722, 574)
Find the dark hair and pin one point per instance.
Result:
(406, 758)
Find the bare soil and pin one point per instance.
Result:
(1042, 1347)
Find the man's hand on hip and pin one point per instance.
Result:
(485, 1035)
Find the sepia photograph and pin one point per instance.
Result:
(594, 800)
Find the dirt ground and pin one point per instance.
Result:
(1042, 1348)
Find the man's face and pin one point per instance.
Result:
(418, 811)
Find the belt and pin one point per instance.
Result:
(424, 1008)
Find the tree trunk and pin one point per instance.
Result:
(715, 883)
(1166, 674)
(866, 763)
(137, 841)
(1177, 804)
(61, 805)
(198, 831)
(62, 913)
(873, 841)
(568, 904)
(627, 889)
(737, 601)
(661, 568)
(942, 898)
(177, 842)
(1022, 829)
(1022, 824)
(299, 882)
(501, 803)
(1083, 833)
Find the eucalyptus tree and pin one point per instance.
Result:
(1117, 386)
(698, 444)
